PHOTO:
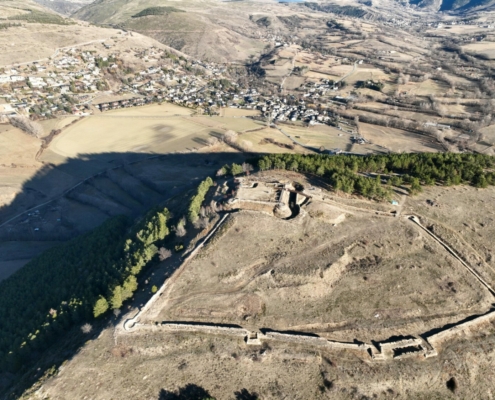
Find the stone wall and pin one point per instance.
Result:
(448, 334)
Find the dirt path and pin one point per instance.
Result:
(348, 74)
(291, 69)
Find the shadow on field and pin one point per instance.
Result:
(61, 202)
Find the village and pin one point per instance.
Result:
(84, 82)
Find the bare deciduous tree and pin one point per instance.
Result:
(246, 145)
(230, 137)
(180, 229)
(201, 223)
(86, 328)
(247, 168)
(212, 141)
(164, 253)
(25, 124)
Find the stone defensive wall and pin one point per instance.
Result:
(411, 347)
(462, 328)
(129, 324)
(198, 328)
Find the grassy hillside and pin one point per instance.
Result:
(218, 31)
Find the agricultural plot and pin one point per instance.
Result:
(488, 134)
(57, 123)
(425, 88)
(130, 130)
(319, 135)
(237, 124)
(397, 140)
(238, 112)
(293, 82)
(17, 161)
(270, 140)
(486, 49)
(365, 74)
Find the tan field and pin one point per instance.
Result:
(99, 134)
(424, 88)
(319, 135)
(397, 140)
(489, 134)
(157, 129)
(57, 123)
(17, 161)
(364, 74)
(260, 144)
(238, 112)
(237, 124)
(487, 49)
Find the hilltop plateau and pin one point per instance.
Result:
(344, 299)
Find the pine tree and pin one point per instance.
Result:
(101, 307)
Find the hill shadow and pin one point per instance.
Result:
(63, 201)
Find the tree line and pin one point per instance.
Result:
(74, 282)
(364, 174)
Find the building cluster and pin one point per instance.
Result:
(80, 82)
